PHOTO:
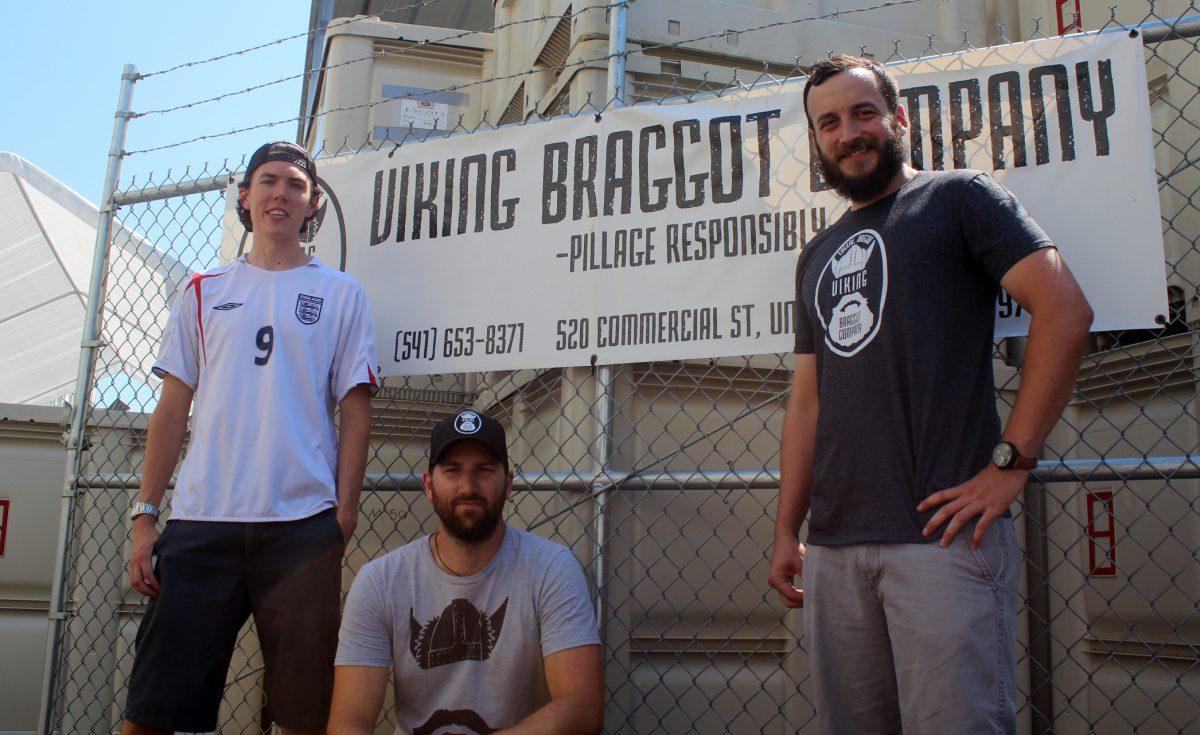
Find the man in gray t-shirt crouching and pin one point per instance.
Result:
(486, 628)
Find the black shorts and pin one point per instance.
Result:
(212, 575)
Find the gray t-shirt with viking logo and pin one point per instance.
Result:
(897, 301)
(466, 652)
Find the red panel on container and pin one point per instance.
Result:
(3, 523)
(1069, 18)
(1102, 535)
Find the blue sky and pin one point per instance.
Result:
(63, 63)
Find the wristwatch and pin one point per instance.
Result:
(139, 508)
(1007, 457)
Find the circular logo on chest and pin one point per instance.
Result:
(851, 293)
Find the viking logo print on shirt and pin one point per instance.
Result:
(851, 293)
(462, 632)
(308, 308)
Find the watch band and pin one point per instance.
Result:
(138, 508)
(1024, 463)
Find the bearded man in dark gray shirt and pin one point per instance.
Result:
(891, 436)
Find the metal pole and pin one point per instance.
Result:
(616, 53)
(168, 191)
(1170, 30)
(602, 412)
(1037, 612)
(1118, 469)
(74, 438)
(603, 408)
(1037, 580)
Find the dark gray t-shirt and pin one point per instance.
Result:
(467, 653)
(897, 302)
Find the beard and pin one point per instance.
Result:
(867, 186)
(468, 529)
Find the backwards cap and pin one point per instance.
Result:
(280, 150)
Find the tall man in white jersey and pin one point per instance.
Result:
(485, 628)
(261, 350)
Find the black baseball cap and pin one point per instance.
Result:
(465, 425)
(280, 150)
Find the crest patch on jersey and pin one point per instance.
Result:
(851, 293)
(308, 308)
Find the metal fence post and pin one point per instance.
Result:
(602, 409)
(616, 53)
(75, 439)
(602, 413)
(1037, 604)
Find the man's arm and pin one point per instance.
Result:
(357, 698)
(1059, 321)
(168, 424)
(354, 429)
(575, 677)
(795, 483)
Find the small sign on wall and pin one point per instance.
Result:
(4, 503)
(423, 114)
(1101, 534)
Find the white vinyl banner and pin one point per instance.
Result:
(672, 231)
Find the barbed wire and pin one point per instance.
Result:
(580, 62)
(277, 41)
(398, 52)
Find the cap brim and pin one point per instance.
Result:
(460, 439)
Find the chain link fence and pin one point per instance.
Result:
(660, 477)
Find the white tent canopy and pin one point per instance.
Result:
(47, 240)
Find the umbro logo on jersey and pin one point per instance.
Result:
(228, 305)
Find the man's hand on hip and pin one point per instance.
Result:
(141, 560)
(987, 496)
(347, 519)
(787, 563)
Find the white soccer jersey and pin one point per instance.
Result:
(269, 354)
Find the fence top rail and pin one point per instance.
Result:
(1170, 30)
(1182, 467)
(167, 191)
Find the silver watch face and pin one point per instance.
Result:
(1002, 455)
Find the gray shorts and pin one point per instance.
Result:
(914, 637)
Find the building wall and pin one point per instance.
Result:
(370, 62)
(679, 47)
